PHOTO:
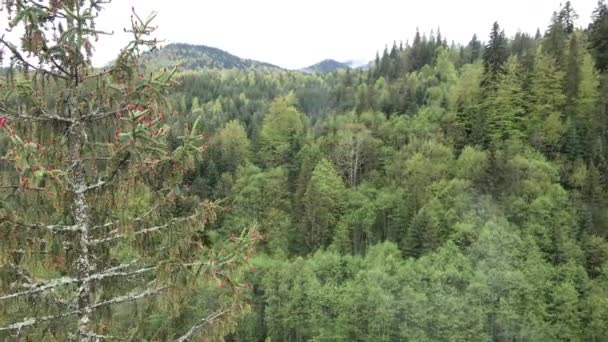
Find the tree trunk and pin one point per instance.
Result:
(80, 213)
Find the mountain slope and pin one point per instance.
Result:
(325, 66)
(193, 57)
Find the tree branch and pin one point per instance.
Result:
(23, 61)
(116, 271)
(129, 298)
(195, 328)
(101, 183)
(17, 187)
(41, 287)
(51, 228)
(99, 74)
(83, 189)
(98, 116)
(143, 231)
(28, 322)
(43, 117)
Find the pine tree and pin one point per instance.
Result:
(466, 100)
(573, 64)
(587, 109)
(506, 106)
(323, 202)
(554, 42)
(568, 16)
(494, 56)
(94, 221)
(416, 57)
(282, 133)
(598, 35)
(474, 49)
(546, 101)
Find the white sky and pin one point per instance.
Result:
(295, 34)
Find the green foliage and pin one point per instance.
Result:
(282, 132)
(446, 192)
(505, 107)
(494, 55)
(598, 31)
(544, 124)
(323, 203)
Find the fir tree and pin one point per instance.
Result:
(598, 35)
(474, 49)
(323, 202)
(555, 40)
(506, 106)
(546, 102)
(568, 16)
(106, 230)
(494, 56)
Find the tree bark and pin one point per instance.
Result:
(80, 212)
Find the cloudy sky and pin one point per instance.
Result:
(295, 34)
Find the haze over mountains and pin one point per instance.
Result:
(192, 57)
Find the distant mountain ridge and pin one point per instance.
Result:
(331, 65)
(325, 66)
(192, 57)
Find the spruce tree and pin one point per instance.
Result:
(546, 103)
(99, 238)
(568, 16)
(555, 40)
(506, 106)
(474, 49)
(494, 56)
(590, 120)
(323, 203)
(598, 35)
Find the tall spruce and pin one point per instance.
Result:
(95, 244)
(598, 35)
(568, 16)
(474, 49)
(506, 106)
(494, 56)
(546, 104)
(556, 39)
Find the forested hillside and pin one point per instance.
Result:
(448, 193)
(327, 65)
(191, 57)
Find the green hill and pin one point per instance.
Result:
(193, 57)
(325, 66)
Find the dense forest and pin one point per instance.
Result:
(446, 193)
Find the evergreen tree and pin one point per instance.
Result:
(506, 106)
(466, 100)
(555, 40)
(282, 133)
(573, 65)
(544, 124)
(568, 16)
(494, 56)
(323, 202)
(110, 248)
(416, 55)
(598, 35)
(587, 109)
(231, 147)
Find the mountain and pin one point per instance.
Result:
(330, 65)
(193, 57)
(325, 66)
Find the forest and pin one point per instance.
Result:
(446, 192)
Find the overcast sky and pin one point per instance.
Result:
(294, 34)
